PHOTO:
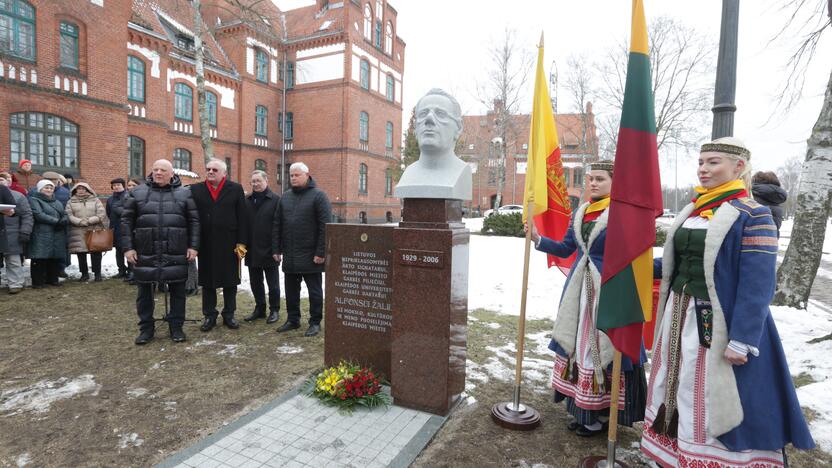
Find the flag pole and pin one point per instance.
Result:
(513, 414)
(609, 461)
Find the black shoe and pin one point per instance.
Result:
(55, 283)
(62, 274)
(144, 337)
(573, 426)
(121, 274)
(97, 278)
(584, 432)
(288, 326)
(259, 312)
(274, 316)
(208, 323)
(84, 278)
(128, 277)
(177, 335)
(230, 322)
(313, 330)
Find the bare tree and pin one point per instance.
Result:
(682, 65)
(814, 197)
(502, 90)
(789, 175)
(579, 83)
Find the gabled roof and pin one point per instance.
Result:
(308, 21)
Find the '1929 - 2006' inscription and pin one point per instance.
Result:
(362, 299)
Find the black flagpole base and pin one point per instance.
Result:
(597, 461)
(505, 415)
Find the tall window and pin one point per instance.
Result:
(182, 159)
(262, 66)
(578, 177)
(391, 87)
(289, 127)
(377, 37)
(17, 29)
(69, 45)
(261, 117)
(260, 165)
(388, 140)
(183, 102)
(368, 22)
(135, 151)
(362, 178)
(46, 140)
(388, 183)
(211, 104)
(364, 127)
(135, 79)
(290, 75)
(388, 38)
(365, 74)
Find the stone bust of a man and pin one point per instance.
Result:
(438, 173)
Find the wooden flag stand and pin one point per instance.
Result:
(513, 414)
(609, 461)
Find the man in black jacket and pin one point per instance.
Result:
(223, 218)
(160, 235)
(262, 206)
(298, 240)
(115, 205)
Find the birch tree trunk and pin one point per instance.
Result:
(814, 202)
(204, 122)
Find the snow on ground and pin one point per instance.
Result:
(23, 460)
(38, 397)
(287, 349)
(129, 440)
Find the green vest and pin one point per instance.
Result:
(586, 230)
(689, 272)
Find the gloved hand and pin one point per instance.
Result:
(240, 250)
(85, 222)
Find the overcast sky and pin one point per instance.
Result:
(448, 40)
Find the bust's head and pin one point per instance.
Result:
(438, 122)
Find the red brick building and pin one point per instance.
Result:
(102, 88)
(482, 145)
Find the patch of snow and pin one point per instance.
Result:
(204, 342)
(229, 350)
(158, 365)
(23, 459)
(286, 349)
(492, 325)
(129, 440)
(136, 392)
(38, 397)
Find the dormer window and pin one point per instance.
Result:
(184, 42)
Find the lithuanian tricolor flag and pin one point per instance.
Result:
(545, 185)
(625, 299)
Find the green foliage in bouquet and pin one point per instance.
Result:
(347, 385)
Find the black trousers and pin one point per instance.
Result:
(272, 282)
(145, 303)
(96, 263)
(44, 270)
(209, 301)
(123, 267)
(316, 296)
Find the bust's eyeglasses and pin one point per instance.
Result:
(211, 169)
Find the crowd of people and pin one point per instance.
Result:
(173, 238)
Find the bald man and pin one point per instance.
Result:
(160, 235)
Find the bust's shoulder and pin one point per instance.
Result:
(750, 207)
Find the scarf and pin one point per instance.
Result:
(708, 200)
(215, 192)
(594, 210)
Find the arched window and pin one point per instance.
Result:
(260, 165)
(388, 185)
(69, 45)
(388, 140)
(362, 178)
(364, 127)
(182, 159)
(47, 140)
(262, 66)
(377, 36)
(389, 216)
(183, 101)
(261, 118)
(135, 78)
(391, 87)
(17, 29)
(211, 104)
(135, 150)
(365, 74)
(368, 22)
(362, 217)
(379, 9)
(388, 38)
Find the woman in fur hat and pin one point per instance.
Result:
(720, 390)
(583, 370)
(86, 213)
(47, 245)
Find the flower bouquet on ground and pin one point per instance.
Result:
(347, 385)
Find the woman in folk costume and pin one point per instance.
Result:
(720, 391)
(582, 370)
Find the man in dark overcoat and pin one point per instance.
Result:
(115, 205)
(225, 230)
(262, 206)
(299, 240)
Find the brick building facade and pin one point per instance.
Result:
(102, 88)
(482, 145)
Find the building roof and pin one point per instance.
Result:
(309, 21)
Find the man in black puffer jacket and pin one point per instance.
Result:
(299, 238)
(160, 235)
(767, 191)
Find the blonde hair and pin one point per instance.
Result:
(745, 175)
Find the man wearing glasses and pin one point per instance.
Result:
(224, 230)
